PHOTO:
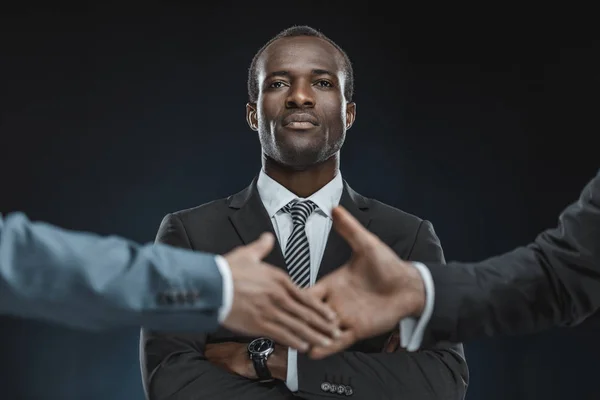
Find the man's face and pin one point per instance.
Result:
(301, 114)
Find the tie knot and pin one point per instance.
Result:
(300, 210)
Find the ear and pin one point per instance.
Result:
(251, 116)
(350, 114)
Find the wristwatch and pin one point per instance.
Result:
(259, 351)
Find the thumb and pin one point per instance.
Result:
(261, 246)
(349, 228)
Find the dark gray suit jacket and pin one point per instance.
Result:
(553, 281)
(174, 366)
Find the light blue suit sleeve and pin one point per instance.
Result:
(94, 282)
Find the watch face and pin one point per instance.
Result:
(261, 345)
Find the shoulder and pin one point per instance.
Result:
(212, 212)
(392, 215)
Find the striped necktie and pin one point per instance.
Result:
(297, 252)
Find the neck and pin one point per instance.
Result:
(303, 182)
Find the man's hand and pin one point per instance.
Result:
(267, 303)
(372, 292)
(234, 358)
(392, 344)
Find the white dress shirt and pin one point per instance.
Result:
(274, 197)
(225, 271)
(412, 329)
(318, 225)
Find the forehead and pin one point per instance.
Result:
(299, 55)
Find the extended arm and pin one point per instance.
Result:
(553, 281)
(88, 281)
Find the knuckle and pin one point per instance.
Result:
(277, 299)
(279, 276)
(262, 302)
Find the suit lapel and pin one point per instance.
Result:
(337, 250)
(251, 220)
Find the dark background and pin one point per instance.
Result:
(111, 118)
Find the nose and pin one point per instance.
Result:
(300, 96)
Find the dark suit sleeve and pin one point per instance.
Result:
(174, 366)
(553, 281)
(436, 373)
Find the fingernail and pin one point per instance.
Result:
(326, 342)
(304, 347)
(337, 333)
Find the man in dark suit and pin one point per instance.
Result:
(554, 281)
(300, 88)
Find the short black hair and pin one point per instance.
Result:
(294, 31)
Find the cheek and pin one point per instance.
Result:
(336, 115)
(271, 103)
(267, 113)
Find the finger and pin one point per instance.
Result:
(349, 228)
(305, 307)
(261, 246)
(324, 288)
(281, 334)
(317, 304)
(301, 329)
(309, 298)
(392, 346)
(311, 312)
(392, 343)
(320, 290)
(343, 342)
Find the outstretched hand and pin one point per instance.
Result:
(372, 292)
(267, 303)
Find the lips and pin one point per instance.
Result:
(300, 118)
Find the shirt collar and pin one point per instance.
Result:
(275, 196)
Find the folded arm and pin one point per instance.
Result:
(175, 368)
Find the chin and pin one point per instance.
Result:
(301, 158)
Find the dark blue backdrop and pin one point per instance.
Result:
(109, 121)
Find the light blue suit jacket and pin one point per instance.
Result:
(87, 281)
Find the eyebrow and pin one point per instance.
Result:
(313, 72)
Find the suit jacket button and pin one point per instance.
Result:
(325, 386)
(181, 298)
(341, 389)
(190, 297)
(333, 388)
(349, 391)
(161, 298)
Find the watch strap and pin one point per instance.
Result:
(260, 366)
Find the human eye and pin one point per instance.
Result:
(324, 83)
(276, 84)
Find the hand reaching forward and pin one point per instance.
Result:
(267, 303)
(372, 292)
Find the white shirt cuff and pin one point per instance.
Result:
(292, 370)
(412, 329)
(225, 271)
